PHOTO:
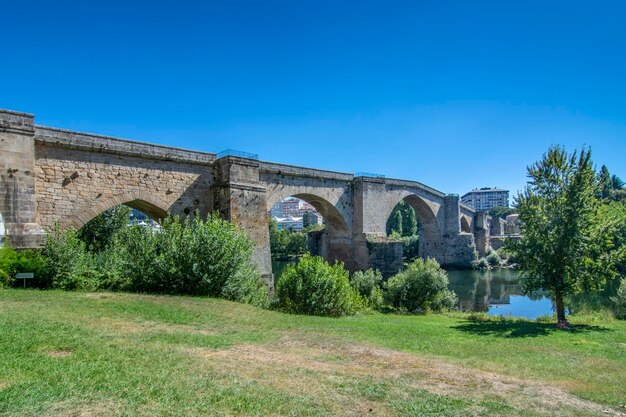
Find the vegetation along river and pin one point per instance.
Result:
(499, 292)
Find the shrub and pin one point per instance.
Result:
(314, 287)
(481, 263)
(493, 259)
(13, 262)
(410, 247)
(5, 279)
(367, 284)
(247, 286)
(619, 300)
(422, 287)
(68, 264)
(194, 256)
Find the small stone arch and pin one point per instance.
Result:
(465, 226)
(143, 201)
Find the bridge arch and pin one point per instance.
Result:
(143, 201)
(333, 242)
(465, 225)
(430, 234)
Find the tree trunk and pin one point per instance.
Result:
(560, 310)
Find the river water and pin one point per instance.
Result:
(499, 292)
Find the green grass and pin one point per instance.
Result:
(65, 353)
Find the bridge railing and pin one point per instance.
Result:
(239, 154)
(368, 174)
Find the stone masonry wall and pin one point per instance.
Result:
(73, 185)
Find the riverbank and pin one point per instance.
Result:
(127, 354)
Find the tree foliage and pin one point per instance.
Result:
(502, 212)
(285, 244)
(98, 232)
(403, 221)
(567, 244)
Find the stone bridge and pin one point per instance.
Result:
(50, 175)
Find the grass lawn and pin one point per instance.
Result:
(64, 353)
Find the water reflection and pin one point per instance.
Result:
(497, 292)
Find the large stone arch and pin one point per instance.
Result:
(143, 201)
(431, 241)
(334, 241)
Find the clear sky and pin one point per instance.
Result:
(457, 95)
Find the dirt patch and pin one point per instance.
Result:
(313, 368)
(59, 353)
(123, 327)
(72, 409)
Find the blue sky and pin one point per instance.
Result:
(453, 94)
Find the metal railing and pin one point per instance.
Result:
(368, 174)
(239, 154)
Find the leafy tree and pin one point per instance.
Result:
(563, 248)
(296, 243)
(395, 223)
(502, 211)
(409, 220)
(604, 182)
(403, 221)
(98, 232)
(617, 182)
(306, 219)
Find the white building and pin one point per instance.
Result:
(484, 199)
(294, 207)
(286, 223)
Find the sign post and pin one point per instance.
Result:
(25, 276)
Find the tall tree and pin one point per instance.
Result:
(605, 182)
(306, 219)
(99, 231)
(409, 220)
(395, 223)
(561, 229)
(616, 182)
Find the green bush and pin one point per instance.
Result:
(480, 263)
(619, 301)
(314, 287)
(410, 247)
(5, 279)
(422, 287)
(367, 284)
(493, 258)
(68, 264)
(197, 257)
(13, 262)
